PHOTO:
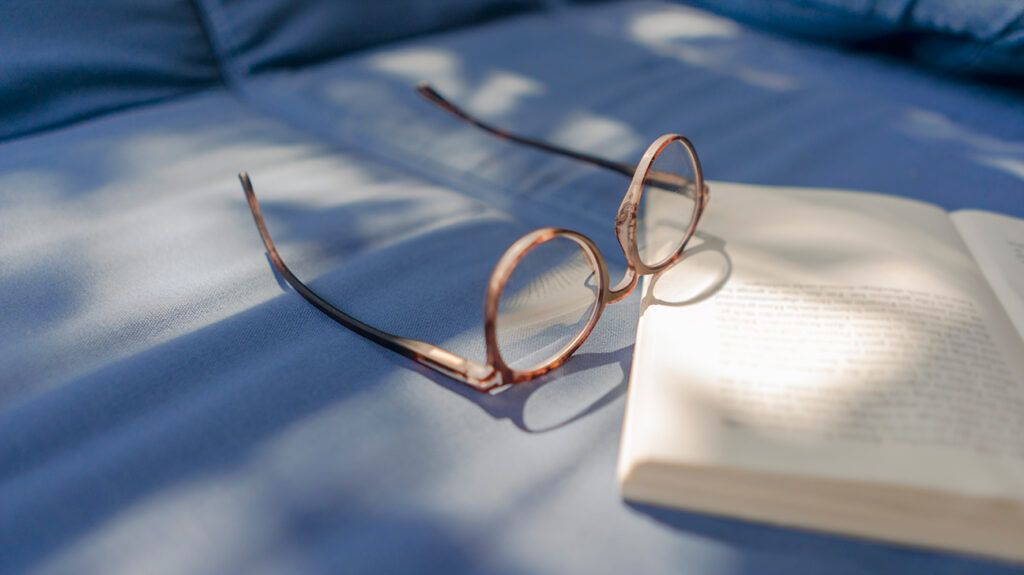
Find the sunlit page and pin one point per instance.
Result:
(997, 243)
(832, 334)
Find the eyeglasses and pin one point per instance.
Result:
(550, 286)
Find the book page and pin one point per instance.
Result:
(997, 243)
(829, 334)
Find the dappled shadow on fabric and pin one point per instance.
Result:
(162, 388)
(207, 362)
(760, 109)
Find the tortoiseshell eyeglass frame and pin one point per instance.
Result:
(496, 374)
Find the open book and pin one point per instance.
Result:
(841, 361)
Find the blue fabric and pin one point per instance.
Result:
(970, 36)
(268, 34)
(65, 60)
(760, 109)
(168, 405)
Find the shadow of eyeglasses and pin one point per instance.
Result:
(701, 284)
(512, 403)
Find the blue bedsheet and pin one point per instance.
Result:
(168, 405)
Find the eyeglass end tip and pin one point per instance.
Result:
(426, 90)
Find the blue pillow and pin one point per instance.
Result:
(257, 35)
(64, 60)
(970, 36)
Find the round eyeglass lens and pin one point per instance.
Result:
(548, 300)
(668, 204)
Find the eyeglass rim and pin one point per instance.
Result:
(627, 219)
(503, 270)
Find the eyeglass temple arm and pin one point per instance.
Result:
(658, 178)
(466, 371)
(428, 92)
